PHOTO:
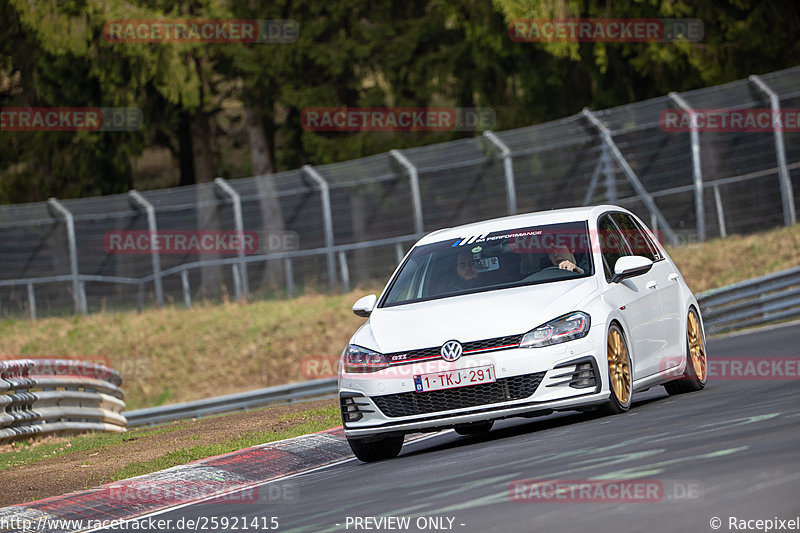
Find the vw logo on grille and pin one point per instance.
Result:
(451, 350)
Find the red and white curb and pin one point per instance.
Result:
(228, 478)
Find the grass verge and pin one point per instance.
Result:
(281, 426)
(310, 421)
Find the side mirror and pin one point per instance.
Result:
(630, 266)
(364, 306)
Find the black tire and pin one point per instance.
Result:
(690, 381)
(376, 450)
(474, 428)
(621, 375)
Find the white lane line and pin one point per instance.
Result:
(212, 497)
(773, 482)
(237, 489)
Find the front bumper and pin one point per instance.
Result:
(530, 382)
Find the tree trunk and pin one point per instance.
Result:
(185, 153)
(261, 153)
(205, 198)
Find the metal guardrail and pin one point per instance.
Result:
(58, 396)
(293, 392)
(752, 302)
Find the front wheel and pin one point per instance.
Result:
(376, 450)
(694, 378)
(620, 375)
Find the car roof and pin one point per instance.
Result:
(553, 216)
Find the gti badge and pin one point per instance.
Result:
(451, 350)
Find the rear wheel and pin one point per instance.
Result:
(474, 428)
(695, 376)
(376, 450)
(620, 375)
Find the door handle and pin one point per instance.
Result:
(651, 285)
(673, 277)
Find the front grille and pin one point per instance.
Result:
(417, 403)
(492, 343)
(414, 354)
(429, 353)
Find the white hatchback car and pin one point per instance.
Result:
(570, 309)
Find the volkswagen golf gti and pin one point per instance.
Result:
(570, 309)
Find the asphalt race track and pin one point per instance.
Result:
(731, 450)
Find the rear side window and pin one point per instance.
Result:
(637, 240)
(612, 244)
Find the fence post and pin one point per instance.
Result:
(287, 265)
(327, 219)
(631, 175)
(345, 271)
(31, 301)
(723, 232)
(608, 173)
(239, 225)
(787, 194)
(155, 257)
(603, 166)
(697, 169)
(398, 253)
(237, 283)
(416, 198)
(187, 294)
(508, 167)
(77, 288)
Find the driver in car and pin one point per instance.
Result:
(562, 257)
(465, 267)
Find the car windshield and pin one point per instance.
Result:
(498, 260)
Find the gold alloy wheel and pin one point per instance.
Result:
(697, 347)
(619, 368)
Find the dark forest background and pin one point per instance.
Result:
(233, 110)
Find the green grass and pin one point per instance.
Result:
(721, 262)
(304, 422)
(324, 418)
(24, 453)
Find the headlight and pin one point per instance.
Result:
(358, 359)
(566, 328)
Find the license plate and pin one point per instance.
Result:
(454, 378)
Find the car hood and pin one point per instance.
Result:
(471, 317)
